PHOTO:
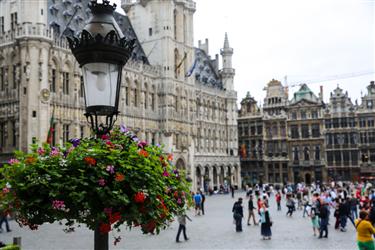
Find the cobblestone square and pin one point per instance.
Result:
(214, 230)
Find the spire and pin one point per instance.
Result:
(226, 41)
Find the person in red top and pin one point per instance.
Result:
(278, 200)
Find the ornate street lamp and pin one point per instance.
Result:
(101, 51)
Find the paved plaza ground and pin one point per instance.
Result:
(215, 230)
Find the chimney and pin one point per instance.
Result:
(321, 93)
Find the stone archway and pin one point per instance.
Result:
(215, 179)
(180, 164)
(308, 178)
(199, 176)
(206, 179)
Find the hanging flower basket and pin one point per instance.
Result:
(103, 183)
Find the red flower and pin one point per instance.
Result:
(175, 194)
(104, 228)
(105, 137)
(89, 161)
(119, 177)
(139, 197)
(170, 157)
(114, 217)
(143, 153)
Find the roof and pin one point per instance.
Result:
(304, 93)
(205, 72)
(68, 17)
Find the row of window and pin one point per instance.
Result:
(13, 22)
(252, 130)
(305, 131)
(340, 122)
(4, 77)
(342, 138)
(306, 152)
(8, 138)
(304, 115)
(345, 157)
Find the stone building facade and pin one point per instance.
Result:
(250, 139)
(323, 141)
(275, 133)
(172, 92)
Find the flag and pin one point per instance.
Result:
(183, 59)
(51, 129)
(191, 70)
(243, 152)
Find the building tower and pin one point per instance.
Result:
(227, 73)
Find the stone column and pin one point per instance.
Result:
(211, 176)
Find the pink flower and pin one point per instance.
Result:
(5, 190)
(13, 161)
(54, 152)
(110, 169)
(179, 201)
(101, 182)
(41, 151)
(165, 173)
(58, 205)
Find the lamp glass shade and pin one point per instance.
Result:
(100, 81)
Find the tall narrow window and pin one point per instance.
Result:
(14, 76)
(2, 25)
(13, 21)
(135, 98)
(82, 131)
(14, 132)
(53, 134)
(66, 83)
(317, 153)
(2, 136)
(65, 133)
(53, 80)
(81, 87)
(175, 24)
(306, 153)
(152, 101)
(127, 96)
(2, 78)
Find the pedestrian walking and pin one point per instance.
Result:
(232, 190)
(182, 227)
(266, 223)
(290, 204)
(251, 211)
(324, 218)
(203, 201)
(197, 202)
(314, 220)
(365, 231)
(278, 200)
(238, 214)
(4, 219)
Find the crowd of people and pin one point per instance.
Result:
(345, 202)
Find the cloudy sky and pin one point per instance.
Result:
(310, 41)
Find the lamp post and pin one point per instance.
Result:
(101, 51)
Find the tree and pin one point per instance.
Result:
(101, 182)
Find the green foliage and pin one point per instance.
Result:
(10, 247)
(102, 183)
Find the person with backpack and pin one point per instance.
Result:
(324, 218)
(365, 231)
(197, 201)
